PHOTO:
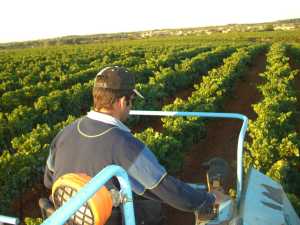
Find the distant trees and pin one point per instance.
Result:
(268, 27)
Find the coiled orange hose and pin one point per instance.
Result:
(100, 204)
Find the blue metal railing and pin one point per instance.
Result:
(243, 130)
(60, 216)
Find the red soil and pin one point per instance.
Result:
(222, 136)
(27, 206)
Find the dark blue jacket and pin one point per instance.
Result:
(88, 145)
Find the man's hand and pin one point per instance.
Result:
(211, 212)
(220, 197)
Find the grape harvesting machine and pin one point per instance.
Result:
(259, 199)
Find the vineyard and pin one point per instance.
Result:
(44, 89)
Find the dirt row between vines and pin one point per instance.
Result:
(221, 141)
(222, 136)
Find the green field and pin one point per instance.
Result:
(45, 88)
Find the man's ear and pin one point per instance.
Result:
(122, 101)
(117, 104)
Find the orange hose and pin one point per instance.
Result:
(100, 204)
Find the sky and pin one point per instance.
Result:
(22, 20)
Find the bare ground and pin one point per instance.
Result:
(222, 136)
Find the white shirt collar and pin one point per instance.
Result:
(107, 119)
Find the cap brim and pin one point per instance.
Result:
(138, 93)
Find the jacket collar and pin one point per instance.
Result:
(105, 118)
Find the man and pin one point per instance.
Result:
(100, 139)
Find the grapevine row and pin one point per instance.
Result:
(274, 143)
(208, 96)
(21, 170)
(50, 109)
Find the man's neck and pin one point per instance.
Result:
(109, 112)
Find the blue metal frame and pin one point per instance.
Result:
(243, 130)
(60, 216)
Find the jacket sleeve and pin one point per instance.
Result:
(50, 163)
(182, 196)
(149, 178)
(48, 178)
(140, 163)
